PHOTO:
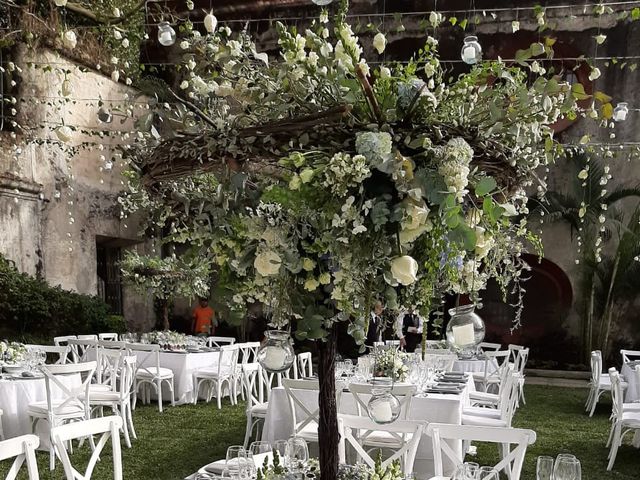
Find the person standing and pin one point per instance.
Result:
(203, 318)
(376, 325)
(409, 326)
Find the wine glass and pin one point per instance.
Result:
(487, 473)
(544, 468)
(567, 467)
(297, 454)
(236, 460)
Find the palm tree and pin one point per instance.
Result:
(581, 206)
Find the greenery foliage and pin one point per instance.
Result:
(32, 310)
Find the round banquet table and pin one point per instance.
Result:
(15, 396)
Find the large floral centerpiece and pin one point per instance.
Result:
(391, 363)
(319, 183)
(165, 338)
(12, 352)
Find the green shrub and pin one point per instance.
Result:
(32, 310)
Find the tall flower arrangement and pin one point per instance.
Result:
(317, 183)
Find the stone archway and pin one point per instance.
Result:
(547, 302)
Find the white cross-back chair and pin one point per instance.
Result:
(305, 413)
(108, 336)
(60, 355)
(503, 415)
(599, 383)
(490, 400)
(63, 339)
(246, 353)
(72, 405)
(623, 420)
(494, 362)
(149, 374)
(218, 376)
(118, 395)
(442, 435)
(490, 347)
(303, 365)
(629, 355)
(353, 428)
(106, 427)
(88, 337)
(23, 449)
(220, 341)
(256, 409)
(520, 362)
(83, 349)
(362, 393)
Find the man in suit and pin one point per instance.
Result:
(376, 324)
(409, 325)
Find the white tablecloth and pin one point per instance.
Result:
(183, 366)
(438, 408)
(633, 390)
(15, 397)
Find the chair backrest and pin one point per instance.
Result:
(87, 337)
(443, 360)
(596, 367)
(245, 353)
(617, 395)
(513, 350)
(362, 393)
(71, 396)
(629, 355)
(107, 336)
(494, 363)
(60, 355)
(127, 375)
(637, 374)
(62, 340)
(219, 341)
(253, 384)
(303, 365)
(353, 428)
(392, 343)
(304, 412)
(521, 357)
(106, 427)
(109, 367)
(437, 351)
(112, 344)
(81, 348)
(508, 396)
(148, 357)
(23, 448)
(488, 346)
(442, 435)
(227, 359)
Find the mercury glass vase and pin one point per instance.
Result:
(276, 354)
(465, 330)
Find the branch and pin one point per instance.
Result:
(191, 106)
(299, 123)
(368, 91)
(85, 12)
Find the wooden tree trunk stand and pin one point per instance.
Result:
(328, 437)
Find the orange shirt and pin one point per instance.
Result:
(203, 319)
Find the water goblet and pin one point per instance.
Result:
(297, 454)
(487, 473)
(567, 468)
(544, 468)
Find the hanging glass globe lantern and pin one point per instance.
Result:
(383, 406)
(166, 34)
(465, 330)
(471, 52)
(322, 3)
(620, 112)
(276, 353)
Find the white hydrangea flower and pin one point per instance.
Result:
(454, 168)
(379, 42)
(267, 263)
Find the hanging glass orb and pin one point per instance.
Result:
(276, 353)
(383, 406)
(166, 34)
(620, 112)
(322, 3)
(471, 52)
(466, 329)
(104, 115)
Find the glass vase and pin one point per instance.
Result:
(465, 330)
(276, 353)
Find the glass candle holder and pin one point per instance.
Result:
(471, 52)
(276, 353)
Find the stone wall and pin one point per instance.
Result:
(57, 202)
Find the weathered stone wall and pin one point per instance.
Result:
(58, 200)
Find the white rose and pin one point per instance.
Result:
(117, 35)
(70, 40)
(267, 263)
(210, 22)
(379, 42)
(60, 3)
(484, 243)
(509, 210)
(404, 269)
(385, 72)
(66, 88)
(64, 133)
(125, 43)
(594, 74)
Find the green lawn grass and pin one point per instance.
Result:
(177, 442)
